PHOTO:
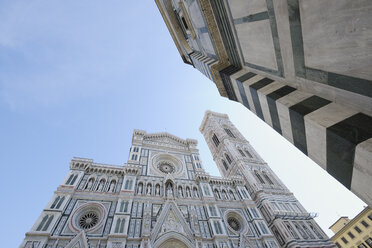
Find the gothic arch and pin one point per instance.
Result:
(173, 240)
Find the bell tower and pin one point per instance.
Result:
(292, 225)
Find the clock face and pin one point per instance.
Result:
(166, 168)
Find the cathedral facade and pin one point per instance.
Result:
(162, 197)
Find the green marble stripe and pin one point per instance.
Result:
(342, 139)
(252, 18)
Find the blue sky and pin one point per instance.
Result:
(76, 77)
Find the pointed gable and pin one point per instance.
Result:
(171, 220)
(165, 139)
(80, 241)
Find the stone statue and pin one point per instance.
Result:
(148, 192)
(89, 185)
(196, 193)
(188, 194)
(140, 188)
(180, 193)
(169, 190)
(112, 186)
(100, 186)
(157, 190)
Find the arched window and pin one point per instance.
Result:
(228, 158)
(241, 152)
(248, 153)
(225, 165)
(69, 179)
(217, 227)
(60, 202)
(101, 185)
(73, 180)
(124, 206)
(55, 202)
(267, 178)
(196, 194)
(42, 223)
(119, 228)
(315, 230)
(232, 195)
(259, 177)
(112, 186)
(180, 191)
(224, 195)
(90, 183)
(228, 131)
(217, 194)
(48, 222)
(188, 192)
(215, 140)
(128, 184)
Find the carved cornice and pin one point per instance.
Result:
(223, 60)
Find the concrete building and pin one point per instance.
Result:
(355, 233)
(162, 197)
(303, 67)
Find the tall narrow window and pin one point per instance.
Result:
(118, 221)
(42, 223)
(215, 140)
(254, 213)
(128, 184)
(217, 227)
(241, 152)
(48, 223)
(121, 230)
(228, 131)
(248, 153)
(263, 228)
(357, 229)
(344, 240)
(55, 202)
(259, 177)
(365, 224)
(184, 23)
(225, 165)
(60, 202)
(267, 178)
(69, 179)
(228, 158)
(73, 180)
(212, 210)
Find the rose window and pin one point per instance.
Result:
(166, 168)
(88, 220)
(234, 223)
(88, 217)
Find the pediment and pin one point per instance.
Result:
(165, 139)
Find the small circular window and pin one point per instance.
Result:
(166, 168)
(234, 223)
(88, 220)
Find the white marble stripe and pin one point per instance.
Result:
(316, 124)
(283, 105)
(362, 171)
(263, 100)
(233, 78)
(246, 85)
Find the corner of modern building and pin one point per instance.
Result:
(303, 67)
(353, 233)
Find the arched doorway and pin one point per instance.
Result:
(173, 243)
